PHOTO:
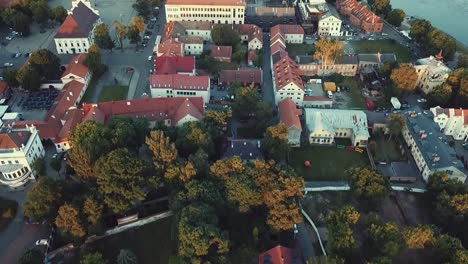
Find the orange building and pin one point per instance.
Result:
(360, 16)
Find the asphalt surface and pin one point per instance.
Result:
(267, 89)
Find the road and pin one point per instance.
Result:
(268, 94)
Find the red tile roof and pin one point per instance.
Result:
(70, 28)
(66, 99)
(316, 98)
(287, 29)
(278, 255)
(245, 77)
(153, 109)
(3, 87)
(286, 71)
(252, 31)
(79, 24)
(179, 82)
(223, 52)
(72, 118)
(76, 66)
(206, 2)
(13, 139)
(289, 114)
(173, 65)
(170, 47)
(5, 3)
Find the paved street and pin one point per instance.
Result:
(268, 94)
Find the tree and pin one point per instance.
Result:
(328, 51)
(43, 199)
(46, 63)
(21, 23)
(102, 37)
(59, 14)
(134, 36)
(31, 256)
(275, 143)
(382, 7)
(258, 62)
(441, 41)
(164, 152)
(395, 124)
(39, 166)
(127, 132)
(143, 7)
(404, 77)
(445, 249)
(368, 186)
(93, 58)
(56, 164)
(120, 32)
(93, 258)
(40, 10)
(246, 102)
(383, 240)
(137, 23)
(29, 78)
(215, 121)
(463, 61)
(240, 54)
(458, 79)
(9, 74)
(199, 191)
(126, 256)
(440, 95)
(396, 16)
(92, 209)
(386, 69)
(418, 237)
(191, 136)
(119, 179)
(340, 224)
(420, 30)
(68, 221)
(224, 35)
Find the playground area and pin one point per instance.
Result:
(327, 163)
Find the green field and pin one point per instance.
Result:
(383, 46)
(7, 212)
(299, 50)
(113, 93)
(326, 163)
(152, 243)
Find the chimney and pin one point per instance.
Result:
(68, 98)
(71, 93)
(129, 103)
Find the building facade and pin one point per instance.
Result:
(347, 65)
(214, 11)
(291, 33)
(175, 85)
(432, 72)
(289, 116)
(19, 148)
(329, 25)
(453, 122)
(360, 16)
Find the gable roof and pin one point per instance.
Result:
(252, 31)
(77, 67)
(279, 255)
(245, 149)
(285, 72)
(221, 51)
(179, 82)
(78, 24)
(11, 140)
(289, 114)
(287, 29)
(173, 65)
(244, 76)
(72, 118)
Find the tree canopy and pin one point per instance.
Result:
(369, 186)
(46, 63)
(93, 258)
(396, 16)
(340, 227)
(43, 199)
(404, 77)
(191, 136)
(395, 124)
(382, 7)
(383, 240)
(418, 237)
(328, 51)
(275, 142)
(440, 95)
(102, 37)
(224, 35)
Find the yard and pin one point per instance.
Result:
(386, 150)
(299, 50)
(383, 46)
(89, 91)
(351, 99)
(113, 93)
(7, 212)
(326, 163)
(152, 243)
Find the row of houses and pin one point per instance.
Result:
(360, 16)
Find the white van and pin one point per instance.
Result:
(330, 94)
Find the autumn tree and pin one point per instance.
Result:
(93, 258)
(396, 16)
(29, 78)
(68, 221)
(215, 121)
(328, 51)
(458, 80)
(43, 199)
(439, 40)
(445, 249)
(207, 191)
(368, 186)
(40, 10)
(46, 63)
(120, 32)
(120, 179)
(245, 102)
(93, 59)
(224, 35)
(183, 171)
(137, 26)
(164, 152)
(340, 227)
(127, 132)
(383, 240)
(382, 7)
(275, 142)
(92, 209)
(102, 37)
(9, 75)
(440, 95)
(420, 30)
(418, 237)
(462, 61)
(200, 161)
(395, 124)
(404, 77)
(191, 136)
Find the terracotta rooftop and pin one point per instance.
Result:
(289, 114)
(173, 65)
(243, 76)
(207, 2)
(285, 72)
(221, 51)
(66, 99)
(11, 140)
(179, 82)
(287, 29)
(171, 48)
(5, 3)
(77, 67)
(3, 87)
(78, 24)
(279, 255)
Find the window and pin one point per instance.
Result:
(16, 161)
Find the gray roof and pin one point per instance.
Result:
(434, 143)
(348, 59)
(244, 148)
(303, 59)
(376, 117)
(377, 57)
(332, 119)
(85, 17)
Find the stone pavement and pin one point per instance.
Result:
(114, 72)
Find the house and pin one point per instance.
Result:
(429, 146)
(221, 53)
(324, 125)
(177, 85)
(280, 255)
(369, 62)
(432, 72)
(360, 16)
(291, 33)
(245, 149)
(197, 29)
(289, 116)
(251, 35)
(287, 82)
(76, 34)
(183, 38)
(310, 13)
(170, 48)
(453, 122)
(214, 11)
(346, 65)
(329, 87)
(329, 25)
(174, 65)
(19, 148)
(172, 111)
(244, 76)
(76, 71)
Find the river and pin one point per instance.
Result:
(451, 16)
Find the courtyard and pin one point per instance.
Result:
(113, 93)
(352, 98)
(385, 149)
(403, 54)
(327, 163)
(299, 50)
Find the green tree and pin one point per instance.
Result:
(215, 121)
(420, 30)
(368, 186)
(39, 166)
(120, 179)
(199, 191)
(43, 199)
(9, 74)
(29, 78)
(246, 102)
(463, 61)
(340, 227)
(92, 210)
(418, 237)
(120, 32)
(395, 124)
(21, 23)
(68, 221)
(192, 136)
(458, 79)
(200, 161)
(59, 14)
(396, 16)
(40, 10)
(46, 63)
(383, 240)
(93, 258)
(440, 95)
(441, 41)
(126, 256)
(445, 249)
(93, 59)
(102, 37)
(31, 256)
(240, 54)
(404, 77)
(382, 7)
(134, 36)
(275, 142)
(224, 35)
(143, 7)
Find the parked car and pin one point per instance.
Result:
(8, 64)
(42, 242)
(150, 58)
(17, 55)
(55, 156)
(146, 37)
(421, 100)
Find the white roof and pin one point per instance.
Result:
(10, 116)
(3, 109)
(434, 65)
(332, 119)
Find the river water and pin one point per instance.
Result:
(451, 16)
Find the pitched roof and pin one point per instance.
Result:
(179, 82)
(66, 99)
(285, 72)
(11, 140)
(173, 65)
(3, 87)
(252, 31)
(244, 76)
(289, 114)
(170, 48)
(207, 2)
(221, 51)
(78, 24)
(287, 29)
(72, 118)
(76, 66)
(5, 3)
(279, 255)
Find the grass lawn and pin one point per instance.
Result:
(326, 163)
(299, 49)
(113, 93)
(152, 243)
(386, 150)
(7, 212)
(383, 46)
(89, 91)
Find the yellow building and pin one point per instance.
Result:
(215, 11)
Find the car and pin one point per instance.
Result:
(153, 19)
(17, 55)
(55, 156)
(421, 100)
(150, 58)
(1, 78)
(42, 30)
(146, 37)
(8, 64)
(42, 242)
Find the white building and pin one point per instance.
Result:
(215, 11)
(289, 116)
(287, 82)
(18, 149)
(76, 33)
(329, 25)
(176, 85)
(431, 72)
(250, 34)
(291, 33)
(429, 146)
(453, 122)
(324, 125)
